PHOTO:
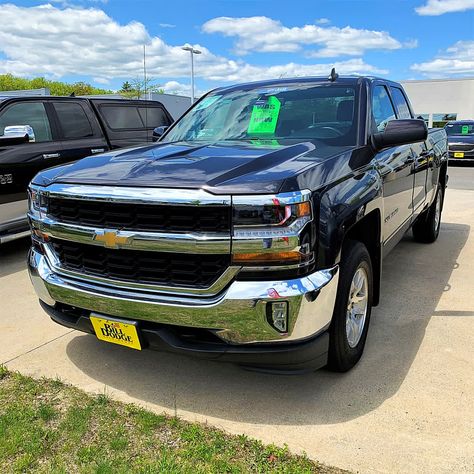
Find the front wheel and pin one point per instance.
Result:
(426, 228)
(350, 322)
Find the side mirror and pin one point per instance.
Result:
(400, 132)
(158, 132)
(18, 134)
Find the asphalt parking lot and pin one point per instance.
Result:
(406, 407)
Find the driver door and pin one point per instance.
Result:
(395, 166)
(20, 162)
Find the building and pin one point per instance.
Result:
(26, 92)
(441, 100)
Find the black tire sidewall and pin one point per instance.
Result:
(342, 357)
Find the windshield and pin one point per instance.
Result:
(307, 112)
(460, 128)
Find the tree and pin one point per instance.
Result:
(138, 88)
(9, 82)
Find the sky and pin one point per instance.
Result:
(101, 41)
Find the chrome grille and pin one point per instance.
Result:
(135, 266)
(140, 216)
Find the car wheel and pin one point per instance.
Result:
(350, 321)
(426, 228)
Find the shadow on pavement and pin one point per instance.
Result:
(415, 276)
(13, 256)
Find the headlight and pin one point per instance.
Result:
(275, 214)
(271, 230)
(37, 202)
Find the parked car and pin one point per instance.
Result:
(41, 132)
(460, 140)
(253, 232)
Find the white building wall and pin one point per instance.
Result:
(442, 96)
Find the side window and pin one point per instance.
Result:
(400, 103)
(382, 108)
(28, 113)
(121, 116)
(73, 120)
(153, 117)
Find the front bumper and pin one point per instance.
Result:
(468, 156)
(236, 317)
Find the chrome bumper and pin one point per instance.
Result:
(237, 314)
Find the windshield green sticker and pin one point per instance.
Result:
(465, 130)
(264, 116)
(207, 101)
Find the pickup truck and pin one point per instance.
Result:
(41, 132)
(253, 232)
(460, 140)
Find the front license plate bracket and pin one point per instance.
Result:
(116, 331)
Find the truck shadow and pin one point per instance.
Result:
(13, 256)
(414, 279)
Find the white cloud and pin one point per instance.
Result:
(167, 25)
(55, 42)
(323, 21)
(456, 60)
(263, 34)
(439, 7)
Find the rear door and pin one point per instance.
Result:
(395, 166)
(79, 129)
(19, 163)
(129, 123)
(423, 160)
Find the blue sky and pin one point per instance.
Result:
(101, 41)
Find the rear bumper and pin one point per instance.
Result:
(236, 318)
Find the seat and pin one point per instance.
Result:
(345, 111)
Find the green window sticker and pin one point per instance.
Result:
(465, 130)
(264, 116)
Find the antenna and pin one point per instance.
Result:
(334, 75)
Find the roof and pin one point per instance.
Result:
(343, 80)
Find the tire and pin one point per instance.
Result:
(426, 227)
(345, 345)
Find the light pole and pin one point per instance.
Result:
(192, 51)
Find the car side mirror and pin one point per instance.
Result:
(400, 132)
(13, 134)
(158, 132)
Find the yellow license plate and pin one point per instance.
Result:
(117, 332)
(458, 154)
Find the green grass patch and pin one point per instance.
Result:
(47, 426)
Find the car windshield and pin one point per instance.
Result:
(323, 112)
(460, 128)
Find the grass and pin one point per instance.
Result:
(47, 426)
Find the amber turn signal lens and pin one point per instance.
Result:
(303, 209)
(41, 235)
(278, 257)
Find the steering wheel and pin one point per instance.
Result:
(332, 129)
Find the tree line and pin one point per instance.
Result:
(135, 88)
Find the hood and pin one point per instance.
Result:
(226, 167)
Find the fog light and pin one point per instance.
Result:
(277, 315)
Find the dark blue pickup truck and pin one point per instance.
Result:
(253, 232)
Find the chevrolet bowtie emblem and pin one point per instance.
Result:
(110, 238)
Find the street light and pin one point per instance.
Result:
(192, 52)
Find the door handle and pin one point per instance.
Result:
(47, 156)
(97, 150)
(409, 160)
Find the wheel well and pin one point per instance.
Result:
(367, 230)
(443, 175)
